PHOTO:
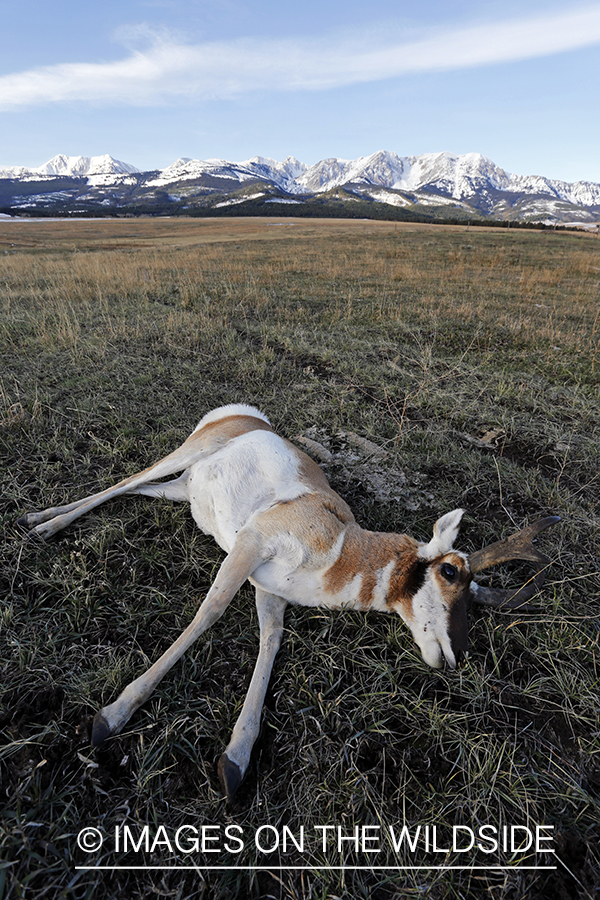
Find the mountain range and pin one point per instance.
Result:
(384, 185)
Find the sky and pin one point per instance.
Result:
(149, 81)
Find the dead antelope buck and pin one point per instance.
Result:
(271, 509)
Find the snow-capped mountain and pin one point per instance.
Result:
(384, 169)
(458, 177)
(73, 165)
(284, 174)
(430, 185)
(86, 165)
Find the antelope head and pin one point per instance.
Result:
(438, 617)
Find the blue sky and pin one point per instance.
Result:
(149, 81)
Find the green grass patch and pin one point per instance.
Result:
(471, 356)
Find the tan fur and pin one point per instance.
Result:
(315, 518)
(366, 553)
(220, 432)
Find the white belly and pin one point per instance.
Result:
(247, 476)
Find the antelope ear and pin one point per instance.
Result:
(445, 532)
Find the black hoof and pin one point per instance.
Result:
(100, 730)
(230, 776)
(23, 520)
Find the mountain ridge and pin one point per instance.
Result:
(73, 165)
(469, 184)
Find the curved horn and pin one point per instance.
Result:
(517, 546)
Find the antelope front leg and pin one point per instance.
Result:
(244, 558)
(234, 762)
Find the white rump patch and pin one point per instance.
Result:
(233, 409)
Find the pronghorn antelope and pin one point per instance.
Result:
(271, 509)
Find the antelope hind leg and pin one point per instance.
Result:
(234, 762)
(31, 519)
(47, 522)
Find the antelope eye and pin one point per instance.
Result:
(449, 572)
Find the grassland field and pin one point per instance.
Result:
(470, 356)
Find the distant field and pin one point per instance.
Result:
(471, 357)
(128, 234)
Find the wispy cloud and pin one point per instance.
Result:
(168, 68)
